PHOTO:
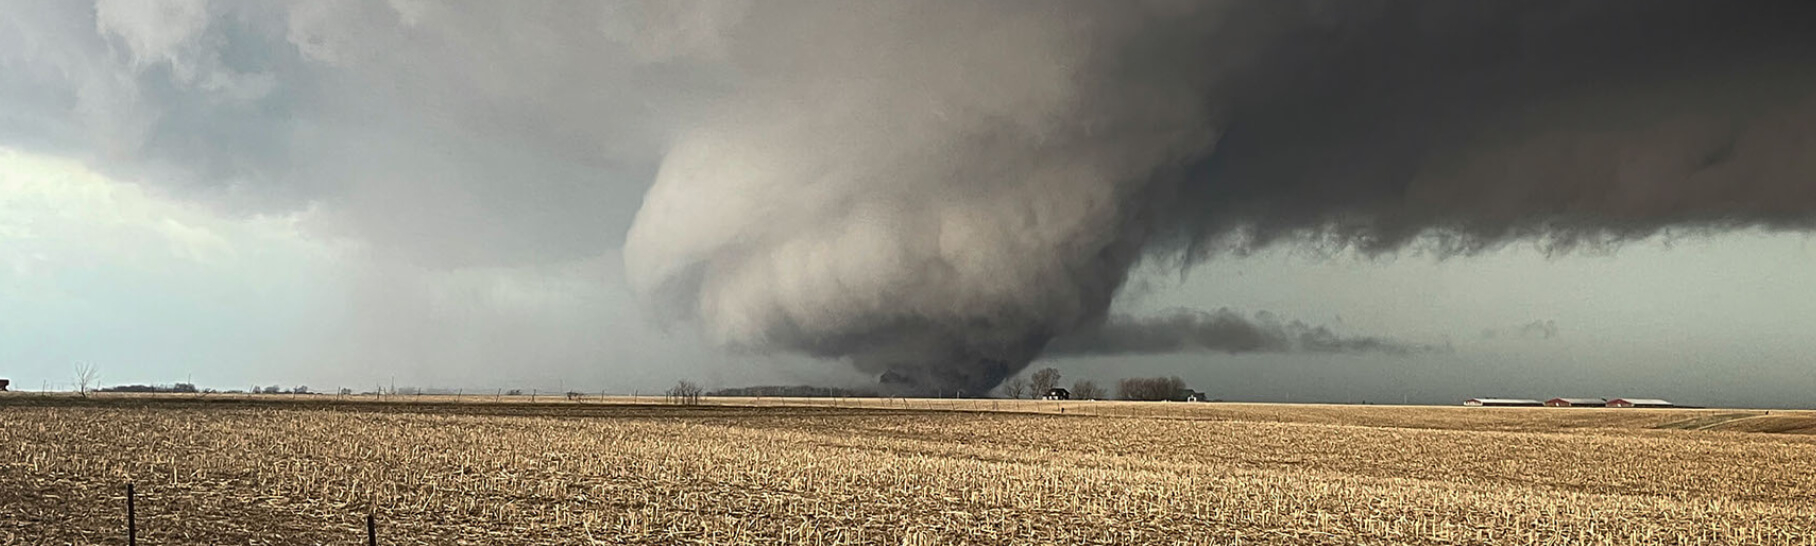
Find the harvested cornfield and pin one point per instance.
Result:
(293, 473)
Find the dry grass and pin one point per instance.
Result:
(501, 473)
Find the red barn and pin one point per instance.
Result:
(1577, 402)
(1639, 403)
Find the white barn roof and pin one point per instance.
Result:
(1505, 401)
(1644, 401)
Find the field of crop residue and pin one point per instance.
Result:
(915, 472)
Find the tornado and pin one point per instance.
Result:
(940, 193)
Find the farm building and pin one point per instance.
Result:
(1057, 393)
(1501, 402)
(1577, 402)
(1195, 396)
(1640, 403)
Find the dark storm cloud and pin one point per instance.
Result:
(947, 231)
(1373, 124)
(1186, 330)
(934, 190)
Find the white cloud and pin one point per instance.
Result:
(56, 212)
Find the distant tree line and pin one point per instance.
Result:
(274, 389)
(190, 388)
(179, 387)
(1152, 388)
(1034, 385)
(793, 391)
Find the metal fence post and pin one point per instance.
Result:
(132, 526)
(371, 531)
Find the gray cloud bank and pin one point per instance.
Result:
(1226, 331)
(933, 190)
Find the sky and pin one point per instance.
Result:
(617, 196)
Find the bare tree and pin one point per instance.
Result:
(86, 377)
(1014, 388)
(1151, 388)
(1085, 389)
(685, 393)
(1044, 380)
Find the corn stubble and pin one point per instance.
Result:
(865, 476)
